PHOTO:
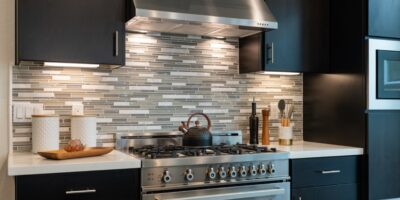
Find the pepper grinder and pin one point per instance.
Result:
(253, 123)
(265, 127)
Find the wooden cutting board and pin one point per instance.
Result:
(63, 155)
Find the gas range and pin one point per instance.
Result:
(168, 167)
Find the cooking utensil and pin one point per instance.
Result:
(281, 106)
(196, 136)
(290, 112)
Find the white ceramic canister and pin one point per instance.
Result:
(45, 133)
(84, 128)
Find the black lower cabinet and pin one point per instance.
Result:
(333, 192)
(326, 178)
(383, 154)
(101, 185)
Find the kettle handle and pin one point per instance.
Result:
(204, 115)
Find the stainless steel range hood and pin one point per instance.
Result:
(214, 18)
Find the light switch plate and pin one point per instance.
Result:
(19, 111)
(23, 111)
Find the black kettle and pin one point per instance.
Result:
(196, 136)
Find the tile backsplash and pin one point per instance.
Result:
(166, 78)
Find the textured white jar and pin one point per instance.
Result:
(83, 128)
(45, 133)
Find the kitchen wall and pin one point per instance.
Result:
(166, 77)
(6, 60)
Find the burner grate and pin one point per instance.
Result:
(154, 152)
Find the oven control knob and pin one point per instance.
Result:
(262, 169)
(166, 177)
(222, 172)
(253, 170)
(243, 171)
(211, 173)
(189, 175)
(232, 172)
(271, 169)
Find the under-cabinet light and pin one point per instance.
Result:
(281, 73)
(77, 65)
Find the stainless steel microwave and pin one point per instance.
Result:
(383, 74)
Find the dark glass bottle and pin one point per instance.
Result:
(253, 123)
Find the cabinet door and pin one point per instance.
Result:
(384, 16)
(384, 154)
(301, 42)
(74, 31)
(103, 185)
(334, 192)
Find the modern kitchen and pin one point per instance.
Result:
(200, 99)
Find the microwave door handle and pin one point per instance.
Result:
(233, 195)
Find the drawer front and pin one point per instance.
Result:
(332, 192)
(104, 185)
(324, 171)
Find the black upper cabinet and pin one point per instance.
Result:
(300, 44)
(73, 31)
(384, 18)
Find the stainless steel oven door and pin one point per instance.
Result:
(270, 191)
(383, 74)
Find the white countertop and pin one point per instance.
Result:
(303, 149)
(28, 164)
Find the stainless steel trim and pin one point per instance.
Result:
(237, 195)
(330, 172)
(279, 191)
(116, 43)
(213, 184)
(169, 162)
(80, 191)
(147, 134)
(373, 102)
(213, 18)
(206, 18)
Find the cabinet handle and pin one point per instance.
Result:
(272, 49)
(330, 171)
(272, 53)
(116, 43)
(80, 191)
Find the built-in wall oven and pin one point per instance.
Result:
(383, 74)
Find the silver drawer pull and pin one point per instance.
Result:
(331, 172)
(116, 43)
(80, 191)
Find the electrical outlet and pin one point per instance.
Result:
(77, 109)
(275, 113)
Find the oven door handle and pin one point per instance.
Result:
(234, 195)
